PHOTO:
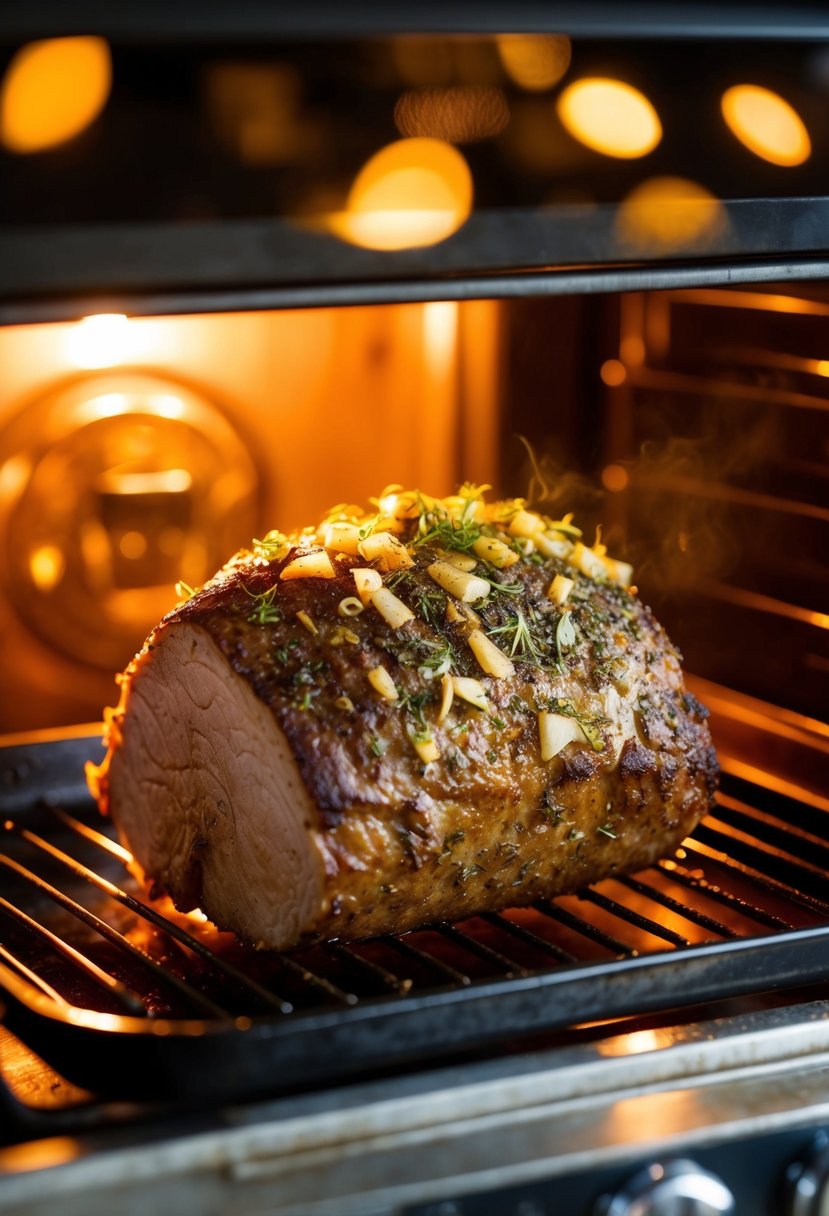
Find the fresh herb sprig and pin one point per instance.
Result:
(263, 609)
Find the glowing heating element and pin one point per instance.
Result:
(52, 91)
(411, 193)
(766, 124)
(610, 116)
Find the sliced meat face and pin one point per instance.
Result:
(205, 791)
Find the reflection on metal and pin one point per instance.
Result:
(127, 483)
(100, 341)
(664, 214)
(534, 62)
(52, 91)
(610, 116)
(461, 114)
(411, 193)
(766, 124)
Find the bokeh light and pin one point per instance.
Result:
(52, 91)
(610, 116)
(766, 124)
(411, 193)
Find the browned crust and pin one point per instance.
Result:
(488, 825)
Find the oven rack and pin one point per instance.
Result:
(130, 999)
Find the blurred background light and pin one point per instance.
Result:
(411, 193)
(52, 91)
(462, 114)
(668, 213)
(534, 62)
(766, 124)
(610, 116)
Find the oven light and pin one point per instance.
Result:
(610, 116)
(766, 124)
(46, 566)
(100, 341)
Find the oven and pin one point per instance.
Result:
(253, 262)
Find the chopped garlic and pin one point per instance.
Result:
(392, 609)
(386, 550)
(427, 749)
(555, 731)
(526, 523)
(588, 562)
(620, 572)
(492, 550)
(493, 661)
(306, 620)
(559, 589)
(343, 537)
(461, 561)
(466, 587)
(471, 690)
(350, 606)
(343, 634)
(381, 681)
(366, 582)
(309, 565)
(553, 546)
(448, 689)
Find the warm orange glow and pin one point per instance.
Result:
(132, 545)
(46, 566)
(99, 341)
(613, 373)
(822, 367)
(411, 193)
(632, 350)
(766, 124)
(40, 1154)
(667, 213)
(52, 91)
(610, 116)
(615, 478)
(535, 62)
(461, 114)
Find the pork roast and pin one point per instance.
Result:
(445, 707)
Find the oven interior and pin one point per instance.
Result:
(689, 424)
(221, 313)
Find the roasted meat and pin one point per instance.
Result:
(444, 707)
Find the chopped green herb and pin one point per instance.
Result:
(377, 747)
(565, 635)
(263, 610)
(273, 545)
(283, 653)
(492, 756)
(575, 834)
(607, 830)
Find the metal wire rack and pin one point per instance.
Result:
(124, 994)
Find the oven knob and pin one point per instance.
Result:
(677, 1188)
(808, 1181)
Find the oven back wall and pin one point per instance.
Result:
(135, 453)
